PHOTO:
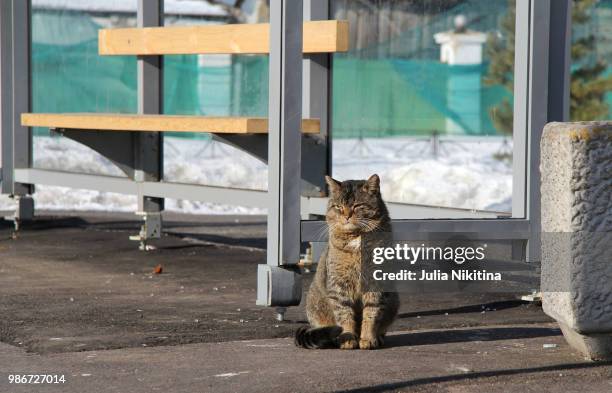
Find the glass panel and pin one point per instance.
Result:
(591, 83)
(68, 75)
(424, 99)
(213, 85)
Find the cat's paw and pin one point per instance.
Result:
(369, 343)
(348, 341)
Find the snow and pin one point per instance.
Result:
(466, 174)
(178, 7)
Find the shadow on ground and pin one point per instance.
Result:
(435, 381)
(468, 335)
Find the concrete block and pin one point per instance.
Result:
(576, 174)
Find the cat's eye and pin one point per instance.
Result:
(358, 206)
(337, 207)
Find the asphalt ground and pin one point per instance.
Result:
(75, 286)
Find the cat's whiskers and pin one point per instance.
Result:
(368, 224)
(320, 232)
(362, 225)
(326, 228)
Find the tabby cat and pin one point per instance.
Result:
(343, 309)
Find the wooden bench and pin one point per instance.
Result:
(170, 123)
(327, 36)
(319, 37)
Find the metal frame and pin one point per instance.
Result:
(121, 185)
(148, 146)
(15, 140)
(541, 94)
(214, 194)
(15, 96)
(542, 42)
(297, 86)
(500, 229)
(284, 138)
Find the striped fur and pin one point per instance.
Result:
(318, 338)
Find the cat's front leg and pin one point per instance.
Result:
(344, 315)
(373, 311)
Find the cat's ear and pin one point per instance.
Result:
(334, 185)
(373, 184)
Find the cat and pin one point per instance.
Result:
(343, 309)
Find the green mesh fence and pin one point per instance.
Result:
(74, 78)
(388, 97)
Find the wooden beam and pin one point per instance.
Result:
(319, 37)
(168, 123)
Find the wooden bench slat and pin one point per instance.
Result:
(168, 123)
(319, 37)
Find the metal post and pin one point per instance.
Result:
(521, 98)
(148, 147)
(559, 53)
(316, 104)
(549, 95)
(278, 286)
(537, 116)
(6, 97)
(542, 61)
(521, 102)
(15, 99)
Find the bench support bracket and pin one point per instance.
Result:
(151, 229)
(23, 212)
(315, 147)
(117, 147)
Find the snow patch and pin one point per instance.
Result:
(465, 174)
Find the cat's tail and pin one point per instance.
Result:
(317, 338)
